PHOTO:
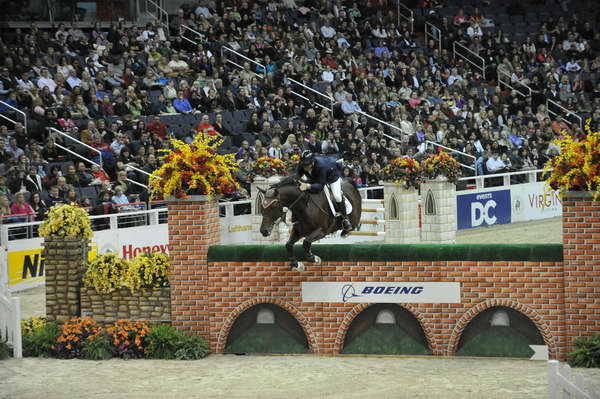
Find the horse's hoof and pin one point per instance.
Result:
(299, 267)
(316, 260)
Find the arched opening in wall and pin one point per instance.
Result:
(393, 208)
(266, 328)
(429, 203)
(258, 208)
(386, 329)
(499, 331)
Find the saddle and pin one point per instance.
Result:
(332, 205)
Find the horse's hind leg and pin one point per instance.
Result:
(289, 246)
(308, 240)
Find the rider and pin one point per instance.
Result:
(321, 171)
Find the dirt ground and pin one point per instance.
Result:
(228, 376)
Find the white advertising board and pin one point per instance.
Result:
(381, 292)
(532, 202)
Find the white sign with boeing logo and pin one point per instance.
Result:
(381, 292)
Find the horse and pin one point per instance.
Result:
(311, 215)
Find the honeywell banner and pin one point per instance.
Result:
(380, 292)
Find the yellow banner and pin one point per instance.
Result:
(28, 266)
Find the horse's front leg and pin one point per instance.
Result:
(308, 240)
(289, 246)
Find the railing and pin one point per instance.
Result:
(18, 111)
(329, 99)
(400, 131)
(530, 176)
(434, 33)
(406, 14)
(162, 15)
(553, 108)
(505, 79)
(561, 385)
(464, 154)
(224, 52)
(89, 147)
(476, 60)
(182, 35)
(10, 321)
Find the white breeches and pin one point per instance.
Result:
(336, 189)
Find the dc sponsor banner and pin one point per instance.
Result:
(380, 292)
(484, 208)
(533, 201)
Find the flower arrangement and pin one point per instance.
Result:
(150, 269)
(577, 166)
(107, 273)
(66, 221)
(128, 337)
(441, 164)
(32, 324)
(403, 170)
(75, 333)
(293, 163)
(194, 168)
(267, 167)
(39, 337)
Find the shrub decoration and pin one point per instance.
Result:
(404, 171)
(127, 338)
(586, 352)
(105, 273)
(194, 168)
(150, 269)
(66, 221)
(267, 167)
(577, 166)
(75, 333)
(441, 164)
(39, 337)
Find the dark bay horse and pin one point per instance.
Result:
(311, 215)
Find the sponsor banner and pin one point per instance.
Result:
(533, 202)
(485, 208)
(381, 292)
(27, 267)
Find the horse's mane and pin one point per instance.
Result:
(286, 181)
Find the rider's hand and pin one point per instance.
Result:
(304, 186)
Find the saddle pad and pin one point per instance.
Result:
(329, 195)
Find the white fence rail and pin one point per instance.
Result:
(562, 385)
(529, 176)
(553, 108)
(469, 56)
(434, 33)
(406, 14)
(10, 321)
(78, 142)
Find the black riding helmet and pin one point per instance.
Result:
(307, 157)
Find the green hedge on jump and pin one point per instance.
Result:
(393, 252)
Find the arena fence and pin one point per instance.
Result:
(561, 383)
(434, 33)
(16, 110)
(461, 51)
(10, 320)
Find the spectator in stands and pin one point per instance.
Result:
(38, 206)
(120, 200)
(33, 182)
(495, 165)
(72, 197)
(4, 209)
(182, 104)
(54, 197)
(20, 206)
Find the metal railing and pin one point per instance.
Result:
(530, 176)
(162, 16)
(331, 100)
(474, 57)
(400, 131)
(406, 14)
(226, 50)
(18, 111)
(184, 28)
(567, 114)
(506, 79)
(434, 33)
(89, 147)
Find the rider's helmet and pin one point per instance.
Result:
(307, 158)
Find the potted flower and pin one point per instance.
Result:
(577, 166)
(404, 171)
(66, 222)
(441, 165)
(195, 169)
(267, 167)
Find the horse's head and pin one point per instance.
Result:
(272, 210)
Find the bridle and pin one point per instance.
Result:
(285, 208)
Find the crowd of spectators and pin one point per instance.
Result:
(117, 89)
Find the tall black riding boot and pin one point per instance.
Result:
(346, 225)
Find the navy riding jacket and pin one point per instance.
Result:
(325, 171)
